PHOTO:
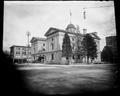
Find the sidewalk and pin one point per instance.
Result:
(39, 64)
(48, 66)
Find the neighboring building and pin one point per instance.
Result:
(97, 40)
(38, 45)
(111, 41)
(49, 49)
(19, 53)
(111, 44)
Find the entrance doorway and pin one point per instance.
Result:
(41, 58)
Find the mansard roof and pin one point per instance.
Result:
(53, 30)
(37, 39)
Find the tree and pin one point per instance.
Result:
(66, 47)
(79, 51)
(107, 54)
(90, 47)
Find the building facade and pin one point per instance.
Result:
(19, 53)
(111, 44)
(111, 41)
(49, 49)
(38, 46)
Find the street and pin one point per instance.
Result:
(68, 79)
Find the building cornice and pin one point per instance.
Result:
(37, 39)
(19, 46)
(55, 30)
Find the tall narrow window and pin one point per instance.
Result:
(73, 57)
(52, 39)
(52, 46)
(43, 49)
(52, 56)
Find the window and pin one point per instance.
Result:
(34, 50)
(52, 39)
(43, 49)
(52, 46)
(52, 56)
(17, 52)
(24, 53)
(18, 48)
(73, 57)
(43, 44)
(73, 45)
(23, 48)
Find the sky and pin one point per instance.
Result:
(37, 17)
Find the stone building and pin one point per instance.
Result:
(49, 49)
(111, 44)
(38, 48)
(19, 53)
(111, 41)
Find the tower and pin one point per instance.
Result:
(28, 34)
(70, 27)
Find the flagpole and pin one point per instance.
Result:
(84, 13)
(84, 21)
(70, 16)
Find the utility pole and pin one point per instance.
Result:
(28, 34)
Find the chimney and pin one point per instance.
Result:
(95, 33)
(84, 31)
(77, 29)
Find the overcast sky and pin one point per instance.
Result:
(38, 16)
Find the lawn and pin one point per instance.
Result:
(65, 79)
